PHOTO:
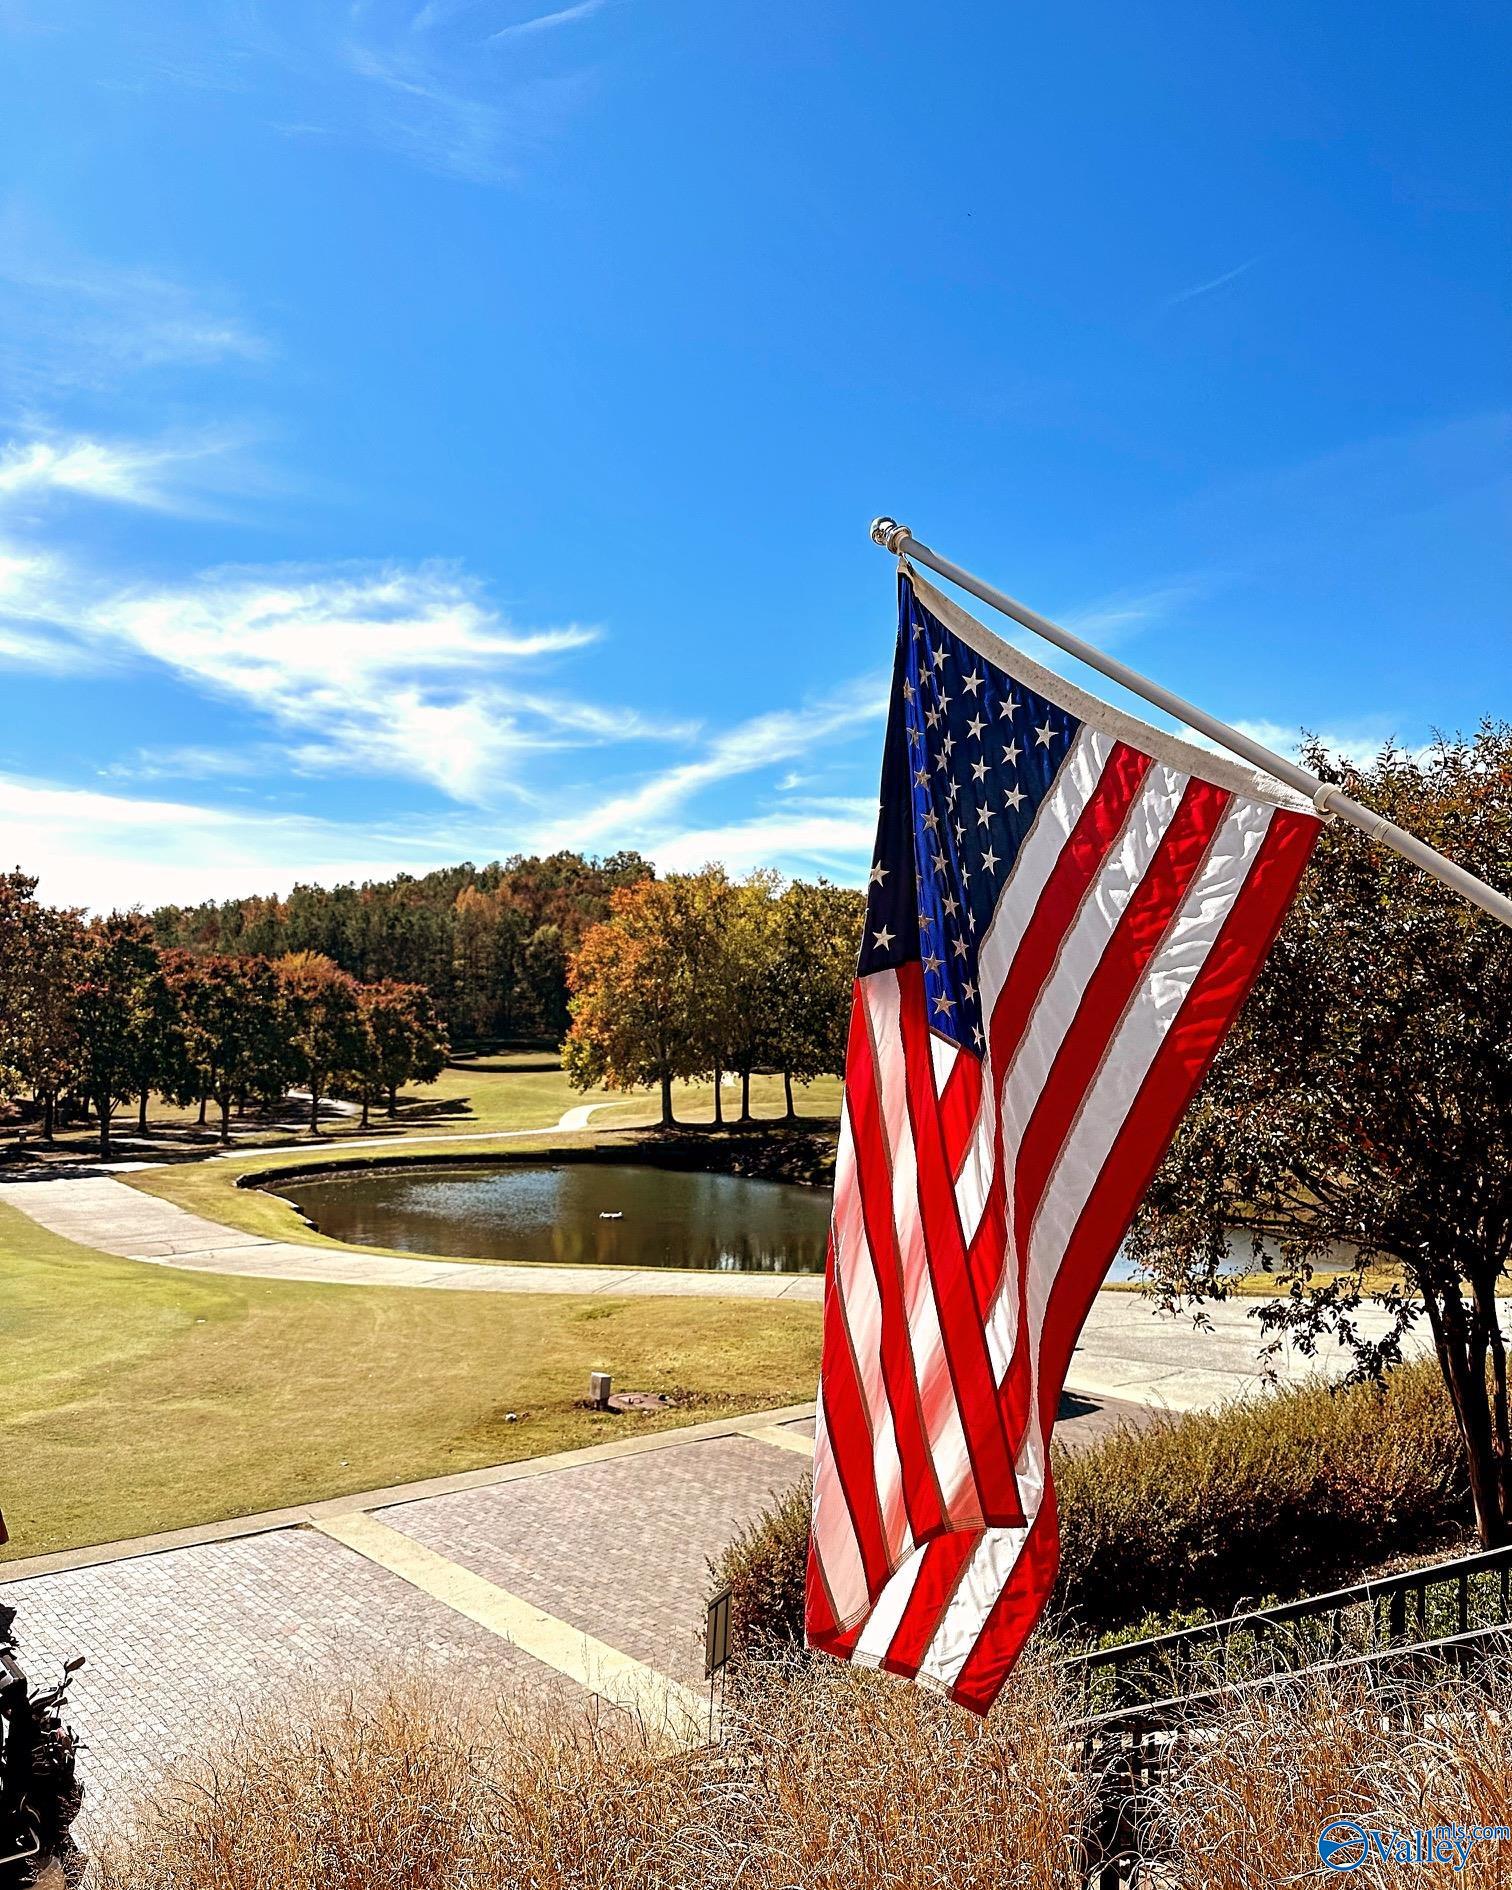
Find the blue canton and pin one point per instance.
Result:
(970, 755)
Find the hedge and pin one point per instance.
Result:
(1207, 1510)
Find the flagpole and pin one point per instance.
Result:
(1326, 798)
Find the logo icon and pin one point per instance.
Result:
(1343, 1845)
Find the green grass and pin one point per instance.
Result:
(139, 1398)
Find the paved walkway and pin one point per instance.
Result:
(556, 1578)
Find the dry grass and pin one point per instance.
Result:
(833, 1780)
(1280, 1763)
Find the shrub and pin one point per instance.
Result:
(1202, 1511)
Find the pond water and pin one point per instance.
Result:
(526, 1212)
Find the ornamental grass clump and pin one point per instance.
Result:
(824, 1779)
(1260, 1778)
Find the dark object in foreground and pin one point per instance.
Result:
(39, 1790)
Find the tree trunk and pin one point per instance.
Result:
(102, 1110)
(1467, 1391)
(225, 1109)
(142, 1113)
(668, 1121)
(364, 1122)
(314, 1110)
(718, 1101)
(745, 1095)
(49, 1115)
(204, 1105)
(393, 1099)
(787, 1091)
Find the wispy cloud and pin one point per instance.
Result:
(1123, 614)
(545, 22)
(71, 320)
(1207, 288)
(160, 476)
(830, 844)
(640, 815)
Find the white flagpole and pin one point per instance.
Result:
(1328, 800)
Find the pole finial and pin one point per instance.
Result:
(889, 534)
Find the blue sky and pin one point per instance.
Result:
(443, 429)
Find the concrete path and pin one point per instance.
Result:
(1126, 1350)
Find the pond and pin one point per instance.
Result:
(516, 1211)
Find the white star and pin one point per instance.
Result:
(947, 745)
(1044, 736)
(958, 946)
(971, 918)
(932, 717)
(973, 683)
(944, 702)
(908, 690)
(954, 790)
(948, 902)
(938, 863)
(913, 734)
(984, 814)
(969, 987)
(1014, 799)
(960, 833)
(1011, 754)
(931, 963)
(878, 873)
(882, 939)
(975, 726)
(931, 820)
(976, 1031)
(939, 659)
(979, 771)
(943, 1003)
(924, 918)
(1008, 709)
(989, 859)
(921, 778)
(942, 762)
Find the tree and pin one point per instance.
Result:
(40, 951)
(749, 980)
(1363, 1104)
(113, 999)
(232, 1027)
(323, 1023)
(639, 1014)
(406, 1042)
(817, 937)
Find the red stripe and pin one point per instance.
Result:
(1097, 827)
(958, 1107)
(848, 1429)
(995, 1499)
(921, 1491)
(1014, 1613)
(1118, 975)
(1189, 1046)
(939, 1572)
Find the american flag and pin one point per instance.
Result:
(1066, 910)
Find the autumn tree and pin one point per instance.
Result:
(748, 971)
(405, 1042)
(812, 969)
(113, 1000)
(231, 1021)
(323, 1023)
(1360, 1111)
(40, 950)
(639, 1014)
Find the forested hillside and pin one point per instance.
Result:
(490, 943)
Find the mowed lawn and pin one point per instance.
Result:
(137, 1398)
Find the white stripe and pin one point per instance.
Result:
(876, 1637)
(1074, 785)
(982, 1580)
(942, 1055)
(1059, 1003)
(942, 1418)
(835, 1543)
(1167, 980)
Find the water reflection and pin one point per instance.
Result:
(666, 1218)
